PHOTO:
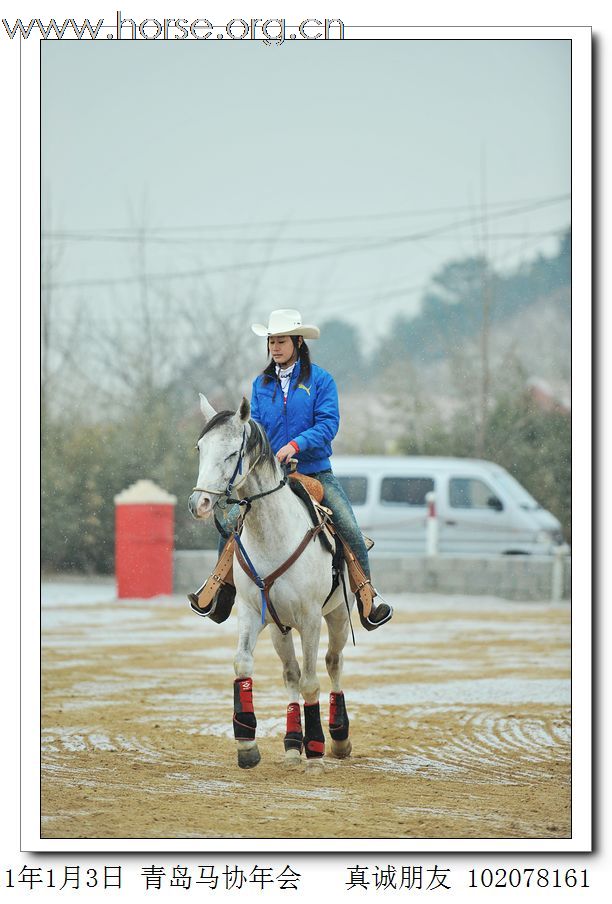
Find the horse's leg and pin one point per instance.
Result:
(314, 739)
(338, 628)
(245, 723)
(294, 739)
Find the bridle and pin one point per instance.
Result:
(227, 492)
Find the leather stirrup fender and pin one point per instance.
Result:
(221, 575)
(359, 583)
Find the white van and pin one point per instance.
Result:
(480, 507)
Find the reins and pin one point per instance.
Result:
(246, 500)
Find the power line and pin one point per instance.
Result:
(382, 294)
(269, 240)
(348, 249)
(335, 307)
(347, 218)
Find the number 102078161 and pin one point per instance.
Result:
(527, 877)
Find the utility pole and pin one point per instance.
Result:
(486, 292)
(147, 358)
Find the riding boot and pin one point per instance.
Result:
(378, 614)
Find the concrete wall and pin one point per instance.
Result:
(509, 577)
(192, 567)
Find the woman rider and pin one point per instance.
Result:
(296, 402)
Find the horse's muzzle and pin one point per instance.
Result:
(200, 504)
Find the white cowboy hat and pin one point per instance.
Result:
(286, 322)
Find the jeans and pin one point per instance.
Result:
(344, 518)
(334, 498)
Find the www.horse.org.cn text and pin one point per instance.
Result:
(268, 31)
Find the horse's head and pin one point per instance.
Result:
(224, 458)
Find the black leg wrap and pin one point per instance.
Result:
(314, 739)
(338, 717)
(294, 741)
(244, 726)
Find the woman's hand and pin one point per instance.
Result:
(286, 453)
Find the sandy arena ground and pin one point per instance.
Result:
(459, 714)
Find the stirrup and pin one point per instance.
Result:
(219, 608)
(379, 615)
(193, 602)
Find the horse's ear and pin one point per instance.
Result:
(244, 411)
(207, 409)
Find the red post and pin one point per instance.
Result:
(430, 499)
(432, 525)
(144, 541)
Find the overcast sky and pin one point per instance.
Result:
(339, 174)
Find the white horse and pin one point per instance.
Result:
(236, 461)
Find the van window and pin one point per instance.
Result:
(518, 492)
(469, 492)
(356, 488)
(405, 490)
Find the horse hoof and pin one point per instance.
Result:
(292, 758)
(341, 749)
(249, 758)
(315, 765)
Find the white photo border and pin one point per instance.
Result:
(30, 202)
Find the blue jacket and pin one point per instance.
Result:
(310, 416)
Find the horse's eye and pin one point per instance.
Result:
(231, 455)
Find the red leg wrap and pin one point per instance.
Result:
(294, 721)
(244, 701)
(294, 739)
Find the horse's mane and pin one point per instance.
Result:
(257, 441)
(220, 418)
